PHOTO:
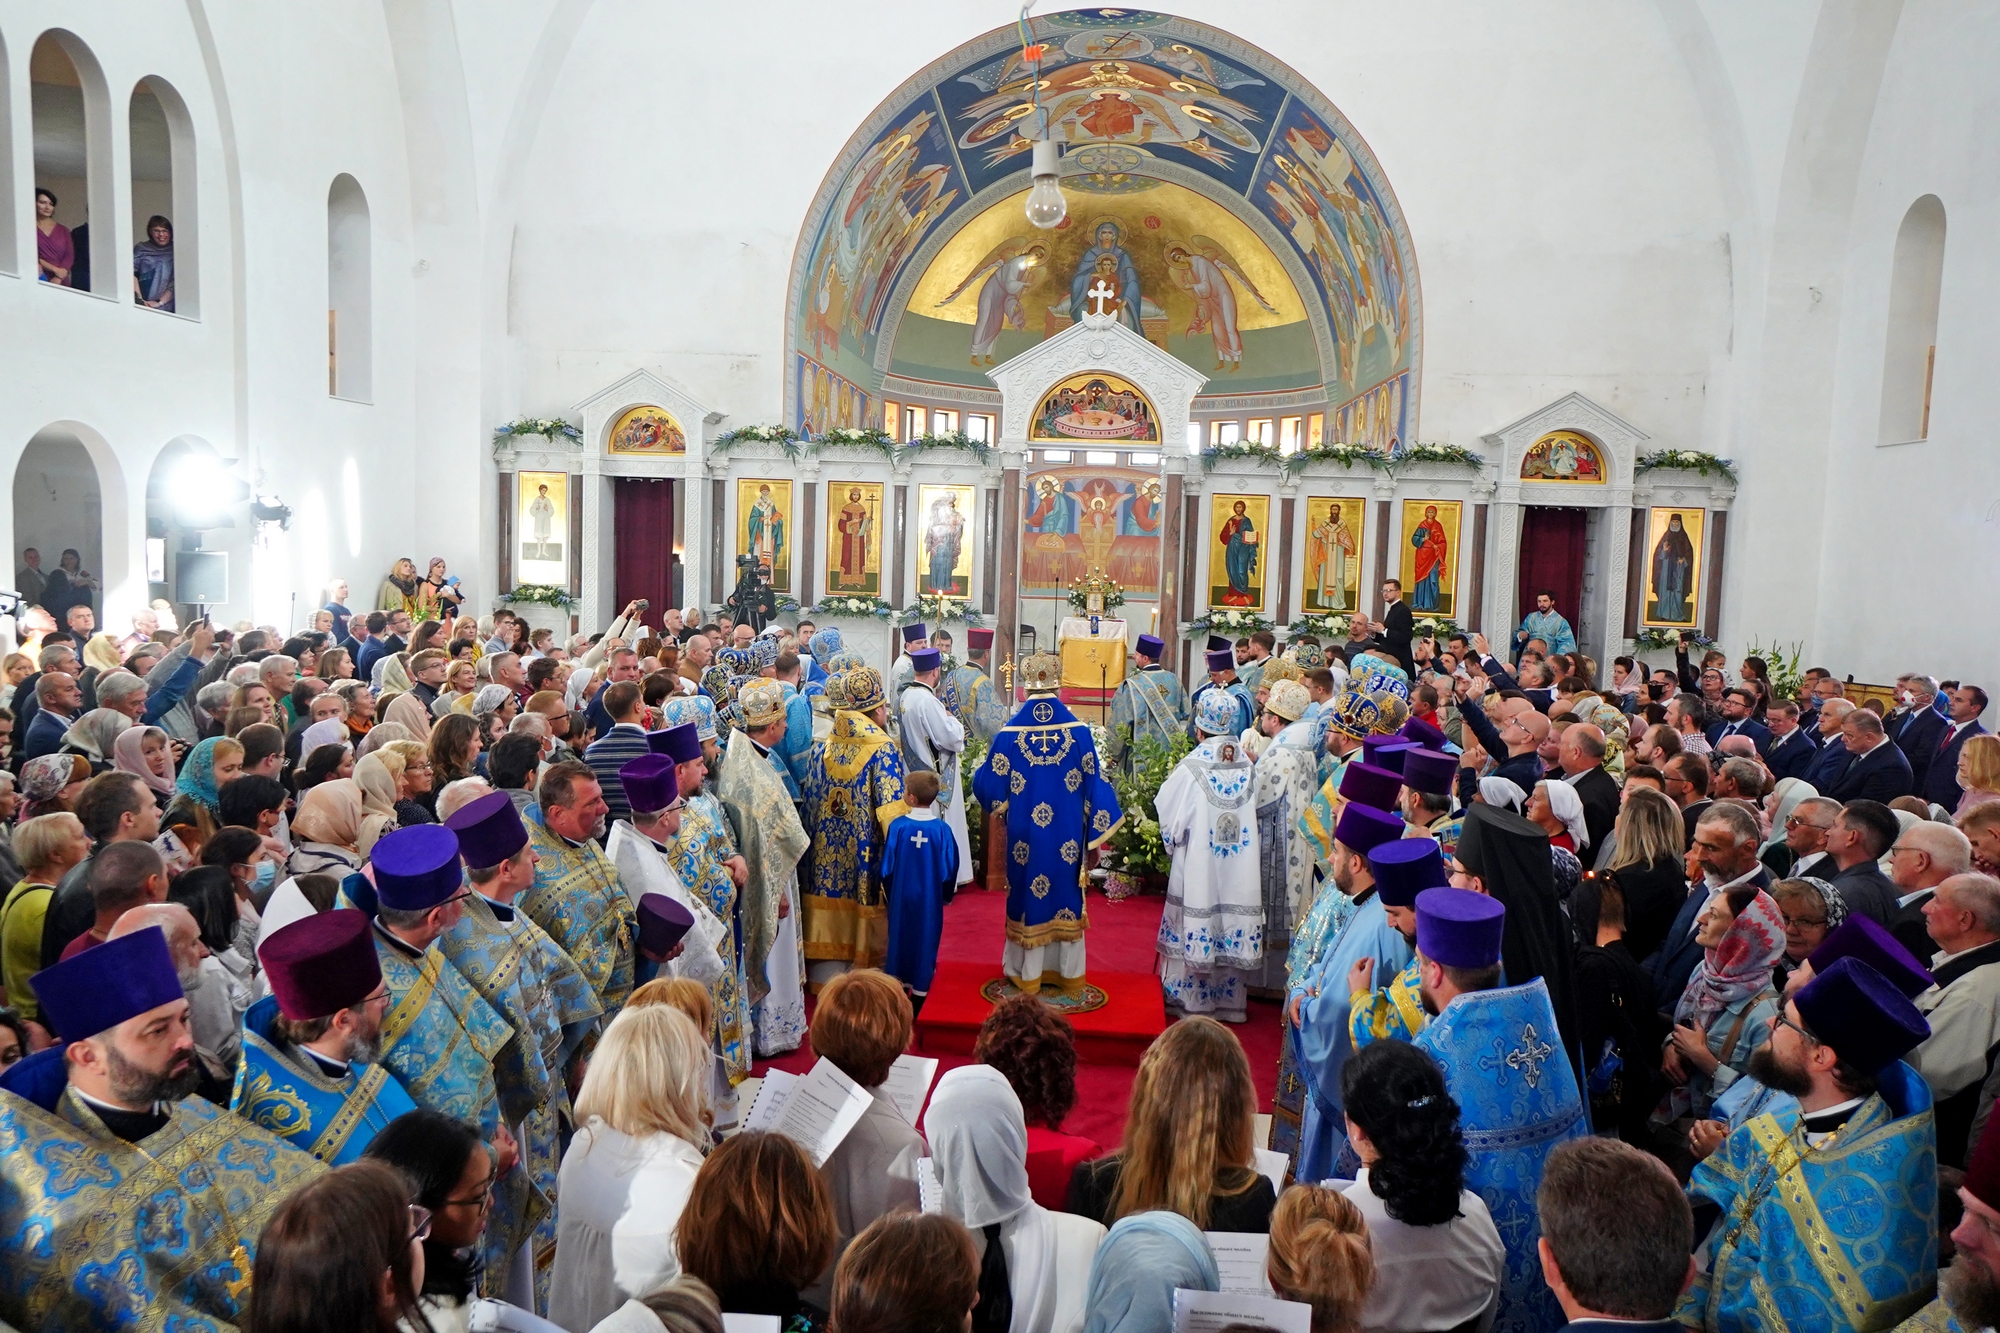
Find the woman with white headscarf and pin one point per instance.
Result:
(1556, 809)
(1036, 1264)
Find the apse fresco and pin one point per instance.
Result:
(1188, 156)
(1186, 274)
(1081, 519)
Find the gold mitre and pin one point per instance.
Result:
(1041, 673)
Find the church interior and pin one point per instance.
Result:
(1396, 252)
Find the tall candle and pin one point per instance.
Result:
(1155, 623)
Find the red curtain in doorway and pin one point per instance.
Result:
(643, 539)
(1552, 543)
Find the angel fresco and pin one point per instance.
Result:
(1113, 101)
(1198, 269)
(1014, 266)
(889, 200)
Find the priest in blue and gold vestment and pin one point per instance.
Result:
(854, 791)
(312, 1049)
(970, 693)
(1221, 665)
(442, 1037)
(125, 1203)
(1828, 1208)
(703, 857)
(530, 982)
(1043, 768)
(576, 896)
(1503, 1061)
(1150, 703)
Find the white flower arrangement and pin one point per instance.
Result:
(1230, 620)
(853, 606)
(1327, 625)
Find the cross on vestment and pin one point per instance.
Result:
(1100, 294)
(918, 838)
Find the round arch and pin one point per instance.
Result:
(1255, 229)
(70, 492)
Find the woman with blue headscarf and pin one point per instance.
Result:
(1143, 1260)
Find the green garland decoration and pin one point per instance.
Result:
(1686, 460)
(549, 428)
(937, 609)
(798, 446)
(853, 606)
(1346, 455)
(1651, 639)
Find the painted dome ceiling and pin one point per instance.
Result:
(1243, 224)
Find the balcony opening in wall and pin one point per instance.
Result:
(164, 235)
(72, 156)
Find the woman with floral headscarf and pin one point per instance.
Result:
(1813, 908)
(50, 784)
(1725, 1012)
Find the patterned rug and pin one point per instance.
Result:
(1085, 1001)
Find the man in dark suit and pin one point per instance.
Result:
(1737, 705)
(1725, 846)
(1940, 785)
(1875, 771)
(1617, 1237)
(1917, 728)
(1861, 834)
(1582, 761)
(1687, 778)
(1792, 748)
(1398, 625)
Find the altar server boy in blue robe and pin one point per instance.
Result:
(919, 870)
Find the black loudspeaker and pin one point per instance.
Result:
(201, 577)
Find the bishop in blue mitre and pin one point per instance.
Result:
(1150, 704)
(1503, 1061)
(312, 1070)
(1043, 768)
(126, 1203)
(1827, 1205)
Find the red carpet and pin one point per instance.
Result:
(1121, 941)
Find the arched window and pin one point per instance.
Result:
(72, 134)
(165, 253)
(347, 290)
(1911, 350)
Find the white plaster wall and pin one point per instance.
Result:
(1912, 535)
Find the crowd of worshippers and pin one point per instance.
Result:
(1753, 938)
(403, 973)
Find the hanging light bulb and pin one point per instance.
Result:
(1046, 205)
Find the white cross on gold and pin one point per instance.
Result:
(1100, 294)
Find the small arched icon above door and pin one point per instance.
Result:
(646, 430)
(1566, 456)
